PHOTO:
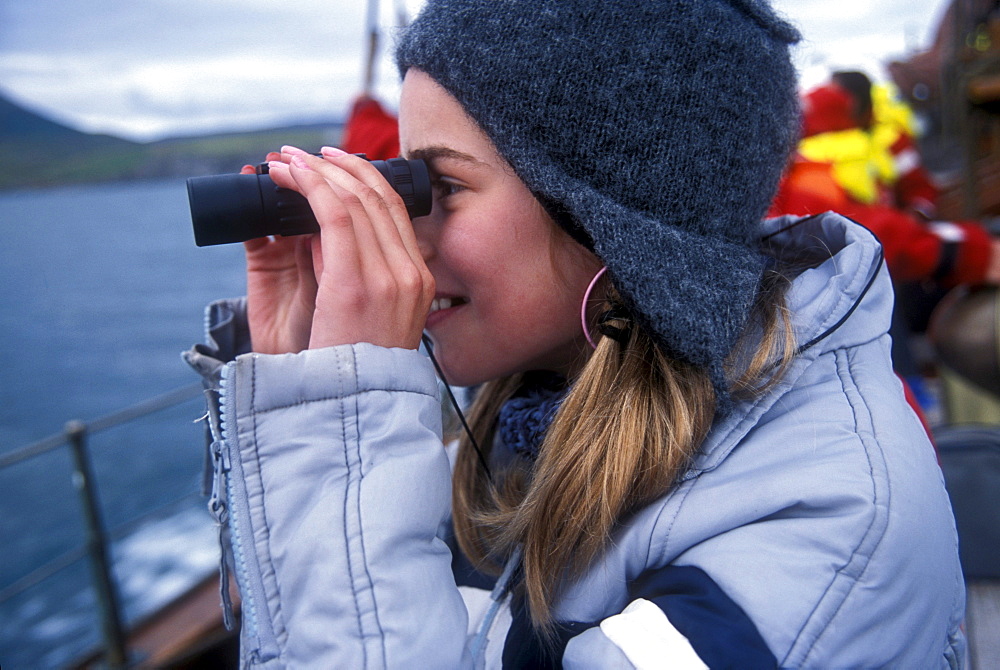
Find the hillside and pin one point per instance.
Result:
(49, 153)
(18, 123)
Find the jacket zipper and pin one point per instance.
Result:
(238, 508)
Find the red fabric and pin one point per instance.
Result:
(912, 250)
(973, 254)
(371, 130)
(915, 188)
(829, 108)
(826, 109)
(911, 400)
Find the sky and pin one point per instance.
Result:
(149, 69)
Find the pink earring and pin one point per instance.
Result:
(583, 307)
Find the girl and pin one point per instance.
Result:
(687, 446)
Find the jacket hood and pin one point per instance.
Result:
(842, 298)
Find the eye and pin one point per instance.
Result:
(445, 187)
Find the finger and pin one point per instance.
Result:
(256, 244)
(271, 156)
(387, 218)
(374, 190)
(374, 264)
(401, 273)
(289, 152)
(348, 264)
(368, 174)
(332, 205)
(381, 247)
(265, 252)
(271, 253)
(380, 297)
(338, 238)
(371, 213)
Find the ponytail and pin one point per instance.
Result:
(626, 431)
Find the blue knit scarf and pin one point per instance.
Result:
(525, 418)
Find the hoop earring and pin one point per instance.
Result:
(583, 307)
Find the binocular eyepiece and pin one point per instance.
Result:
(240, 207)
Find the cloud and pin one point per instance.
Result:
(858, 34)
(146, 69)
(147, 98)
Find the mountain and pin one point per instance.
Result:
(17, 124)
(49, 153)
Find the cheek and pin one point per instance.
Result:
(545, 299)
(482, 256)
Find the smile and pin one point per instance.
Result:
(444, 303)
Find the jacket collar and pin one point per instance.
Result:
(841, 298)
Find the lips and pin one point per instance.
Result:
(445, 303)
(442, 308)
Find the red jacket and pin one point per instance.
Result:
(949, 253)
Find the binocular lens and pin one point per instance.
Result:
(240, 207)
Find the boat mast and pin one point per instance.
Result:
(371, 51)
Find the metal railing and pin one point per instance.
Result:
(97, 544)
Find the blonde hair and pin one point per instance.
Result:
(600, 461)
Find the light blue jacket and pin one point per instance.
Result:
(818, 510)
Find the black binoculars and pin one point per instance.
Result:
(240, 207)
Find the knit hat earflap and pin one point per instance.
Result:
(654, 132)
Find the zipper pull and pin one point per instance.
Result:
(218, 506)
(217, 503)
(228, 618)
(212, 402)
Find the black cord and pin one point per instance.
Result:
(454, 403)
(871, 280)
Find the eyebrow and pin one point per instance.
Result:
(434, 153)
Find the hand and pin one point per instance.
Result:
(366, 280)
(281, 289)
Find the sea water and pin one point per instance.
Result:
(101, 288)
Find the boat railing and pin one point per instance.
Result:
(74, 436)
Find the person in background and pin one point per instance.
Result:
(845, 162)
(857, 157)
(894, 131)
(687, 445)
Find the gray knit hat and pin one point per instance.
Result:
(654, 131)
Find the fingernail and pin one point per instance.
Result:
(292, 151)
(332, 152)
(276, 164)
(300, 162)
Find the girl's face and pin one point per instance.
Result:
(509, 281)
